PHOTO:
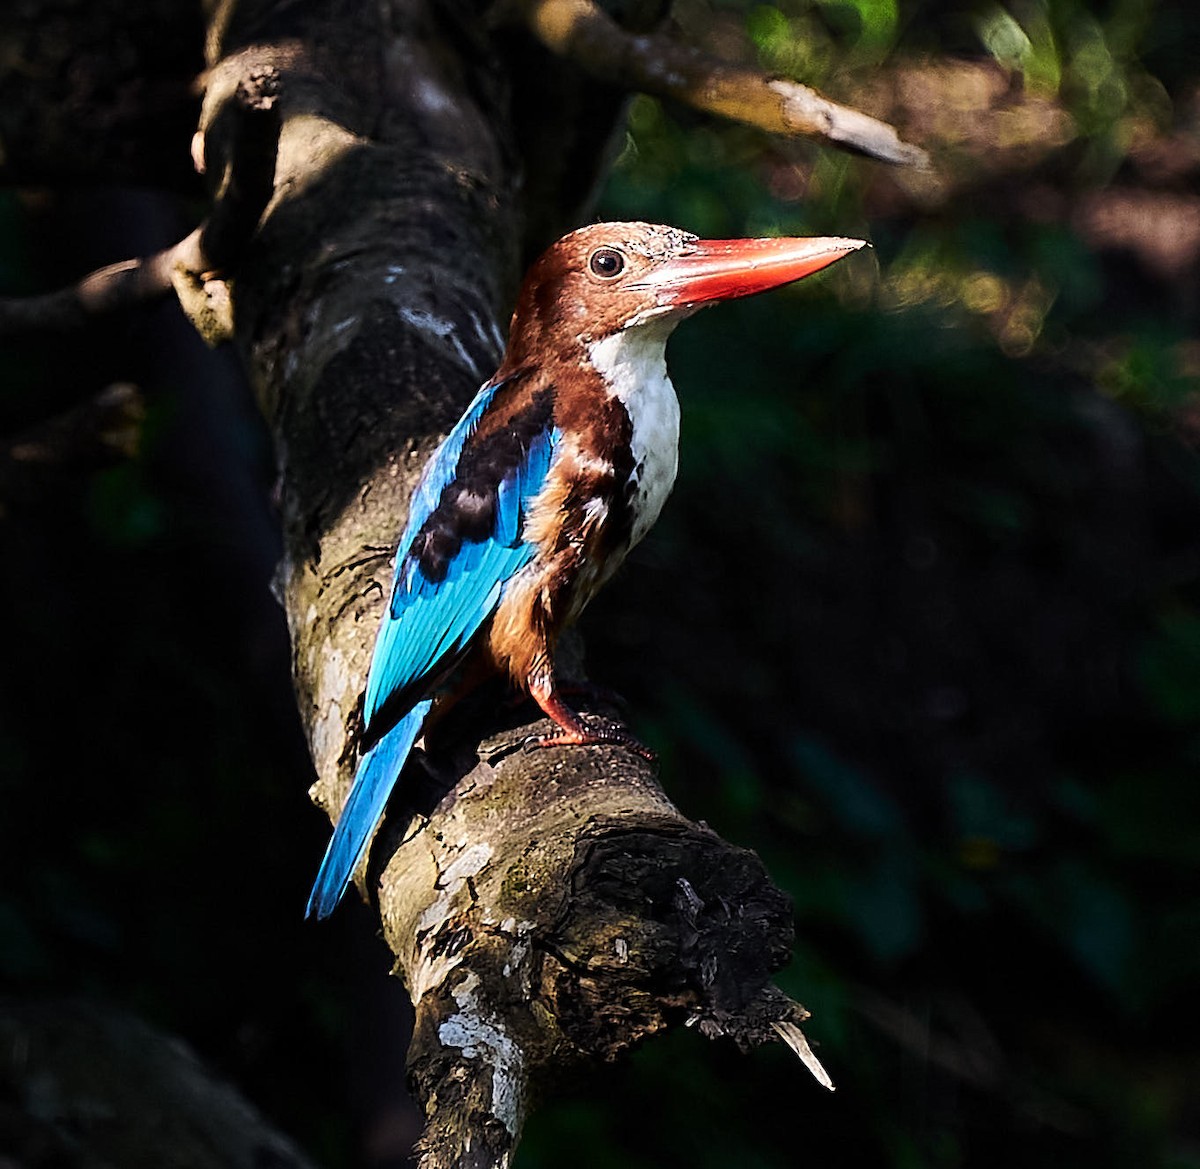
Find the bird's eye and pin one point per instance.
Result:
(607, 263)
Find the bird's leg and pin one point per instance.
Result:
(575, 732)
(585, 691)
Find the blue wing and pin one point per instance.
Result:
(428, 625)
(430, 622)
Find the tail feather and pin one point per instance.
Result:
(377, 773)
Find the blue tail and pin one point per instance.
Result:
(377, 773)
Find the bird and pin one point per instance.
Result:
(560, 465)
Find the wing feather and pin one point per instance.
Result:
(373, 782)
(439, 471)
(431, 621)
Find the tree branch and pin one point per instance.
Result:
(108, 290)
(240, 153)
(553, 919)
(652, 63)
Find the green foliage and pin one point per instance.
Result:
(933, 556)
(1027, 47)
(1170, 668)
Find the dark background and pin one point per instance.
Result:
(920, 625)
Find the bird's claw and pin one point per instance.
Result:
(604, 736)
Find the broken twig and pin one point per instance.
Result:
(106, 291)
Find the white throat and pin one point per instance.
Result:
(633, 364)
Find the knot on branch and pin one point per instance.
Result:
(664, 923)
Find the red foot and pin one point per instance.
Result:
(575, 732)
(594, 737)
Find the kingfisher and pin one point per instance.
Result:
(560, 465)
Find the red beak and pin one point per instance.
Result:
(721, 268)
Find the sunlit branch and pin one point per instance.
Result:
(652, 63)
(127, 284)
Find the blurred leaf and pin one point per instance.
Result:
(981, 812)
(884, 907)
(859, 805)
(123, 508)
(1098, 919)
(1142, 371)
(1169, 667)
(1026, 46)
(1154, 816)
(22, 958)
(874, 21)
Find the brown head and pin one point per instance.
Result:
(612, 276)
